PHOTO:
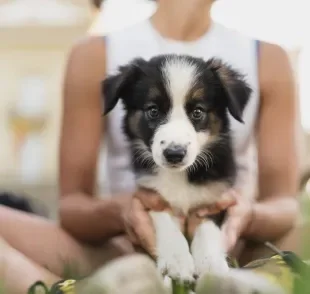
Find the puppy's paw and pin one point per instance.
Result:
(208, 250)
(175, 259)
(173, 255)
(178, 265)
(207, 263)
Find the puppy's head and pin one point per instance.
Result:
(176, 106)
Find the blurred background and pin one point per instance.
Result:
(35, 39)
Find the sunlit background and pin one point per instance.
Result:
(36, 36)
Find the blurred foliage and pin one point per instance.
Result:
(301, 286)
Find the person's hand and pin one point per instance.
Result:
(198, 215)
(138, 224)
(239, 217)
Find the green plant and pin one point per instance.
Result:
(181, 288)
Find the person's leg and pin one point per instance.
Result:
(47, 245)
(290, 242)
(134, 274)
(18, 273)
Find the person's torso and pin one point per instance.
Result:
(141, 40)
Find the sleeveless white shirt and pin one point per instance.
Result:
(142, 40)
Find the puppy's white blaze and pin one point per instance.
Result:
(178, 130)
(180, 76)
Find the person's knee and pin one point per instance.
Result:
(109, 250)
(291, 241)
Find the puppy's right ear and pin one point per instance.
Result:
(115, 86)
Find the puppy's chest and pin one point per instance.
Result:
(179, 192)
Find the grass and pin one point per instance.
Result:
(178, 288)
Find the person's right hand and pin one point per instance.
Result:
(138, 223)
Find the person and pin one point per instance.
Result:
(93, 230)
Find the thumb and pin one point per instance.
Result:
(143, 228)
(230, 231)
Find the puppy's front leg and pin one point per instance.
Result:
(173, 255)
(208, 249)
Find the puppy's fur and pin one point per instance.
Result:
(177, 122)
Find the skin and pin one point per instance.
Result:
(94, 230)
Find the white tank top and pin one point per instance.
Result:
(142, 40)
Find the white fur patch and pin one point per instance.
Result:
(177, 131)
(173, 255)
(176, 190)
(208, 249)
(180, 75)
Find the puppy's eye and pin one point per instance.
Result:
(152, 112)
(197, 114)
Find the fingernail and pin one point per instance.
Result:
(201, 213)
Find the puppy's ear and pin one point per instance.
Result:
(233, 84)
(115, 86)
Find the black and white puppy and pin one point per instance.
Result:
(177, 122)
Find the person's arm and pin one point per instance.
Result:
(82, 214)
(277, 208)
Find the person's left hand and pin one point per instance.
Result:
(198, 215)
(238, 219)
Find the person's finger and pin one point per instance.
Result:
(225, 203)
(227, 237)
(128, 219)
(131, 235)
(142, 226)
(230, 230)
(193, 222)
(151, 200)
(232, 224)
(215, 208)
(132, 218)
(231, 242)
(227, 200)
(204, 211)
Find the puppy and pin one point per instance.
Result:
(177, 122)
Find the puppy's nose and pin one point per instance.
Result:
(174, 153)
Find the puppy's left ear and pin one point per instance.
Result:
(116, 86)
(233, 84)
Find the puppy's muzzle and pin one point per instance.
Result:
(174, 154)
